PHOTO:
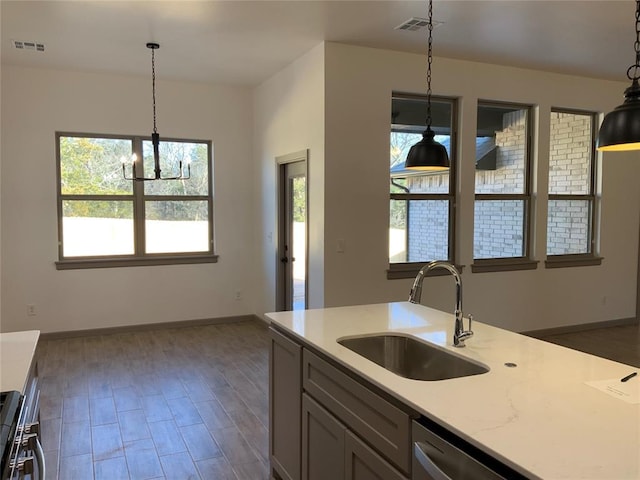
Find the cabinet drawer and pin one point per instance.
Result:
(384, 426)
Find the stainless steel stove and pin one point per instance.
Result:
(10, 403)
(22, 456)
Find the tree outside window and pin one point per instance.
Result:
(104, 217)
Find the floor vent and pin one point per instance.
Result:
(22, 45)
(417, 23)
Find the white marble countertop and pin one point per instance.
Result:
(540, 417)
(16, 356)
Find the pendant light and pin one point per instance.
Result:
(155, 138)
(620, 129)
(428, 154)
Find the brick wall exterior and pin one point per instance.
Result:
(569, 161)
(498, 225)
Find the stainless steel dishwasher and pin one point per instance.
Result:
(440, 455)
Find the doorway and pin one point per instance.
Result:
(291, 285)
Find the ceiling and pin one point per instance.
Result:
(245, 42)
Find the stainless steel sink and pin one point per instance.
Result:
(412, 358)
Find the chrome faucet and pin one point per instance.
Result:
(459, 333)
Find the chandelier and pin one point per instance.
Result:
(155, 139)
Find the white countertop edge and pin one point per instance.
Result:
(17, 350)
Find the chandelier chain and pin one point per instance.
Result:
(429, 62)
(153, 89)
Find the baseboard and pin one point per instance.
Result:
(546, 332)
(149, 326)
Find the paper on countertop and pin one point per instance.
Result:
(628, 391)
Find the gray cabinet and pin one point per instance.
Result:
(331, 451)
(285, 398)
(363, 463)
(322, 443)
(326, 425)
(383, 425)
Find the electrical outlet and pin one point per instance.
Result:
(31, 310)
(238, 295)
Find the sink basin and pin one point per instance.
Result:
(412, 358)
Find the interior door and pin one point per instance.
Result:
(292, 238)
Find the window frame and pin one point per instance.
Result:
(410, 269)
(138, 199)
(589, 258)
(525, 261)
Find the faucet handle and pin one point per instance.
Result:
(466, 333)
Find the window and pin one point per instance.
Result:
(105, 220)
(421, 209)
(571, 210)
(502, 208)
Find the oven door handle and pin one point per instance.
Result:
(42, 469)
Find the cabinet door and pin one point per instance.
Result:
(322, 443)
(285, 389)
(384, 426)
(362, 463)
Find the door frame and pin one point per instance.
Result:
(281, 162)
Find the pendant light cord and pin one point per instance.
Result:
(636, 67)
(430, 61)
(153, 89)
(620, 129)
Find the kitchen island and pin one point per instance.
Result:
(539, 417)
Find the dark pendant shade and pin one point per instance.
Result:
(620, 128)
(427, 154)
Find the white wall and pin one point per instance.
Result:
(359, 83)
(289, 117)
(36, 104)
(334, 101)
(1, 96)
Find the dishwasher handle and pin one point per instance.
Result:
(427, 463)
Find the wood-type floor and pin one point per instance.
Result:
(621, 344)
(175, 403)
(185, 403)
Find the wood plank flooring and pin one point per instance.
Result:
(185, 403)
(621, 344)
(180, 403)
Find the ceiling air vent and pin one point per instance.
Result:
(23, 45)
(416, 23)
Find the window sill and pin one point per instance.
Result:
(503, 265)
(410, 270)
(578, 260)
(134, 262)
